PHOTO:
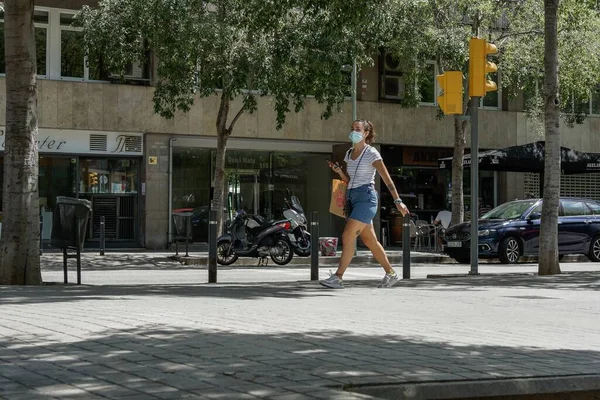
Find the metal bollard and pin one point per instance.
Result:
(78, 242)
(212, 246)
(41, 234)
(314, 246)
(188, 230)
(406, 248)
(102, 235)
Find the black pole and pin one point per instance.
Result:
(188, 229)
(474, 186)
(41, 233)
(212, 246)
(314, 246)
(102, 235)
(78, 242)
(65, 265)
(406, 248)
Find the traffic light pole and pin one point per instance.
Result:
(474, 185)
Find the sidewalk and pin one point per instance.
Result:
(285, 337)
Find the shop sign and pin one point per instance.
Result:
(427, 157)
(79, 142)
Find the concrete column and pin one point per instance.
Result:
(156, 198)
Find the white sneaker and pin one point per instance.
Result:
(333, 282)
(389, 280)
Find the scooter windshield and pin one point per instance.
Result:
(296, 205)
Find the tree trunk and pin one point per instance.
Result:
(222, 136)
(548, 255)
(458, 203)
(19, 247)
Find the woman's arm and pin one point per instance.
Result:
(387, 179)
(336, 168)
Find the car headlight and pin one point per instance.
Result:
(486, 232)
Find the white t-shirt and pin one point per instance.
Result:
(363, 173)
(444, 217)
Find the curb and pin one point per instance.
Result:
(483, 389)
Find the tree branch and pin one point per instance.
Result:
(507, 35)
(237, 116)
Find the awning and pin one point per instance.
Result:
(529, 158)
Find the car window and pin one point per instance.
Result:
(510, 210)
(537, 209)
(595, 207)
(574, 207)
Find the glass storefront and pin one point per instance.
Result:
(425, 188)
(110, 184)
(256, 181)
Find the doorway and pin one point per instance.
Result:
(243, 191)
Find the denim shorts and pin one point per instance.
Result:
(364, 201)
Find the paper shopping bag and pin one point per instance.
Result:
(338, 197)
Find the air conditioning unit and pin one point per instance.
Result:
(391, 62)
(392, 87)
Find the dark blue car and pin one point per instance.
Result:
(512, 230)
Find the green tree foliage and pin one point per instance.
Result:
(440, 30)
(286, 49)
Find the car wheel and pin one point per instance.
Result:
(463, 260)
(594, 254)
(509, 251)
(225, 255)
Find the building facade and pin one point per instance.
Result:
(102, 141)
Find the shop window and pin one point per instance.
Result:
(41, 42)
(114, 176)
(191, 178)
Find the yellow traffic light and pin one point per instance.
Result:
(479, 66)
(451, 102)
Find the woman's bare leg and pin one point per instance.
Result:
(370, 240)
(352, 230)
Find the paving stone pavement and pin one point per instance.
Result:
(151, 330)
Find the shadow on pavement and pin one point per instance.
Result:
(128, 362)
(575, 281)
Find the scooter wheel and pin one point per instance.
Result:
(302, 252)
(224, 255)
(286, 252)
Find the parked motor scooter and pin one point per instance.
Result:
(247, 237)
(298, 234)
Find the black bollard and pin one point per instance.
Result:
(102, 235)
(212, 246)
(406, 248)
(314, 246)
(78, 242)
(188, 231)
(41, 234)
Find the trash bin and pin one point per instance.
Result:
(182, 225)
(64, 221)
(328, 246)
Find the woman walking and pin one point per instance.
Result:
(362, 162)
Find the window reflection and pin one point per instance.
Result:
(114, 176)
